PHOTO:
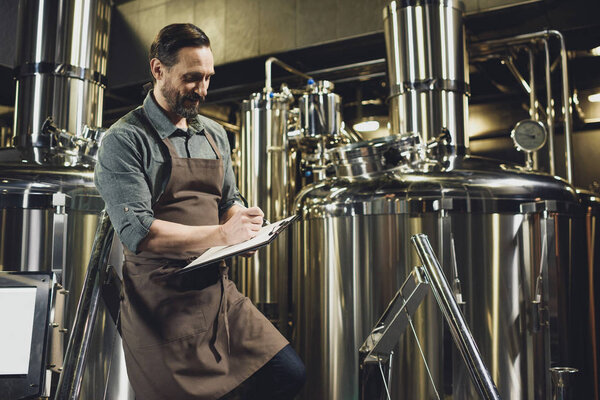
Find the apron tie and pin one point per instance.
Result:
(223, 310)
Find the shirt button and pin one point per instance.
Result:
(126, 209)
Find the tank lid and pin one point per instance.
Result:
(469, 185)
(376, 155)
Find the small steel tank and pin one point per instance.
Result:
(264, 181)
(320, 110)
(281, 149)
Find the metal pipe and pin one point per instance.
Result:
(283, 65)
(458, 326)
(508, 61)
(532, 98)
(492, 46)
(549, 109)
(69, 384)
(533, 113)
(370, 63)
(566, 100)
(562, 378)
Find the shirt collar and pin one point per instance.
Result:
(163, 124)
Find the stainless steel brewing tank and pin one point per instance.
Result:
(48, 220)
(427, 68)
(586, 312)
(264, 181)
(60, 69)
(351, 252)
(320, 111)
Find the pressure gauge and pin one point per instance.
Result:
(529, 135)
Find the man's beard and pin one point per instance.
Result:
(176, 101)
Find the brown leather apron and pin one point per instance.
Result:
(192, 335)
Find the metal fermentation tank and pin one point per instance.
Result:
(49, 206)
(507, 238)
(264, 181)
(282, 148)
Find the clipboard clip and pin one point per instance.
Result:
(282, 226)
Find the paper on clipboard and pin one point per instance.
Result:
(264, 236)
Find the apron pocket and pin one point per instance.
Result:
(180, 317)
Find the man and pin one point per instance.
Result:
(165, 174)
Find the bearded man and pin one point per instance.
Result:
(164, 172)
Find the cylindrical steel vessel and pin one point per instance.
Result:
(61, 65)
(48, 218)
(427, 68)
(49, 207)
(320, 111)
(263, 180)
(352, 252)
(586, 311)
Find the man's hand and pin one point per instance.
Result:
(244, 224)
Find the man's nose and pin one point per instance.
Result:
(202, 88)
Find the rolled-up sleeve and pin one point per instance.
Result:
(230, 194)
(121, 181)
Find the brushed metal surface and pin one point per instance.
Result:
(351, 252)
(263, 180)
(427, 68)
(26, 222)
(320, 113)
(60, 64)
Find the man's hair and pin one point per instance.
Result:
(174, 37)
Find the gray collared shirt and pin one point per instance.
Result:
(134, 166)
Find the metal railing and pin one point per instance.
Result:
(458, 326)
(71, 377)
(379, 344)
(497, 49)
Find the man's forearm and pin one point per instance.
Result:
(181, 241)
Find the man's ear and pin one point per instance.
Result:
(156, 68)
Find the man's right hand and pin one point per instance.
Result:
(243, 225)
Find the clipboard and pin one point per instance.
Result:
(265, 236)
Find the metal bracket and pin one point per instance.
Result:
(384, 336)
(59, 230)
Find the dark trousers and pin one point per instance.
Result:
(279, 379)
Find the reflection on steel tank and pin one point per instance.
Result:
(49, 206)
(284, 138)
(513, 238)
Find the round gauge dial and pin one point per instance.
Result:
(529, 135)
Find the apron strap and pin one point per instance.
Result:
(212, 143)
(171, 148)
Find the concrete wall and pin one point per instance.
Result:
(8, 32)
(248, 28)
(242, 29)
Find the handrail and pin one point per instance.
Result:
(458, 326)
(69, 384)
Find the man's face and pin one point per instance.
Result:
(184, 85)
